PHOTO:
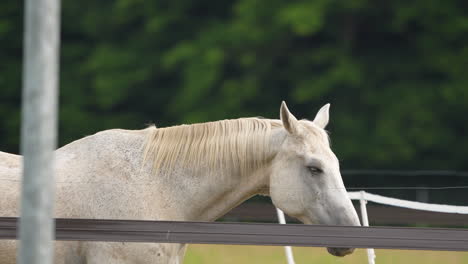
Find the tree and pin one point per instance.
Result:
(394, 72)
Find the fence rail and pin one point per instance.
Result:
(379, 215)
(252, 234)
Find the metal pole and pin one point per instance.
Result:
(287, 249)
(39, 130)
(365, 222)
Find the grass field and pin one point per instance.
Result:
(227, 254)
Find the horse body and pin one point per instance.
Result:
(110, 176)
(98, 177)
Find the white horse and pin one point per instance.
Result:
(190, 172)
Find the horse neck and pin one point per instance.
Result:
(209, 198)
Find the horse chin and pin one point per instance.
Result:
(340, 252)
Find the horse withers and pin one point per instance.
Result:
(193, 172)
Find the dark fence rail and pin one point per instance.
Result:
(378, 215)
(252, 234)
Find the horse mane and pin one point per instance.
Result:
(240, 145)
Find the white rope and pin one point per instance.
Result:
(441, 208)
(363, 197)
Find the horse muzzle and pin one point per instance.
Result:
(340, 252)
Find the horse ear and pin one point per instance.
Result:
(288, 119)
(322, 117)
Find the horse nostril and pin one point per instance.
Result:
(340, 252)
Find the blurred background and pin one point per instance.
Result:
(395, 73)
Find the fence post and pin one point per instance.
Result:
(365, 222)
(287, 249)
(38, 130)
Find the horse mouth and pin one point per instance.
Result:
(340, 252)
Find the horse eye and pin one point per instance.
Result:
(315, 170)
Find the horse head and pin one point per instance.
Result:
(306, 181)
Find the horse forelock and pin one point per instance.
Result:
(239, 145)
(318, 135)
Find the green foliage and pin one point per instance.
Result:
(394, 71)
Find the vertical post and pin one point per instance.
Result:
(365, 222)
(287, 249)
(39, 130)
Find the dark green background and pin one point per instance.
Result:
(395, 71)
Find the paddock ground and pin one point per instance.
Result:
(230, 254)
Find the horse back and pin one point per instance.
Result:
(10, 179)
(9, 162)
